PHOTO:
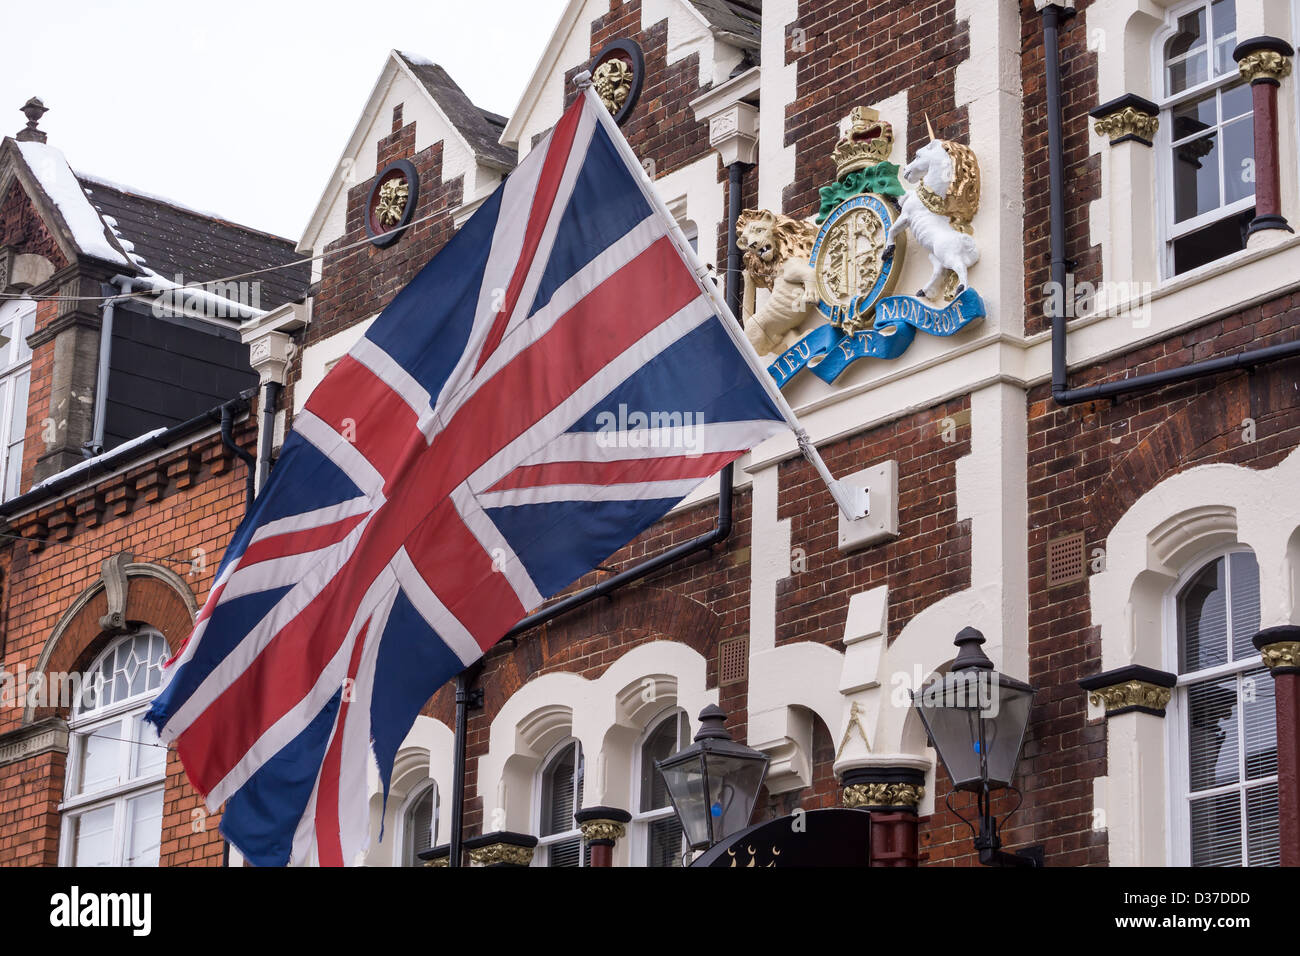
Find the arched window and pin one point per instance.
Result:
(1207, 137)
(656, 831)
(560, 785)
(17, 321)
(1222, 721)
(419, 823)
(113, 803)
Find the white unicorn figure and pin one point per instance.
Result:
(938, 212)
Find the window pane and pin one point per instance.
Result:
(1185, 53)
(1216, 830)
(565, 853)
(150, 755)
(1196, 177)
(143, 829)
(1212, 733)
(1224, 14)
(1239, 160)
(1213, 242)
(1261, 826)
(661, 744)
(18, 407)
(558, 793)
(101, 755)
(418, 827)
(27, 328)
(665, 842)
(14, 470)
(1260, 712)
(1195, 116)
(1203, 620)
(1244, 599)
(1235, 101)
(6, 343)
(92, 838)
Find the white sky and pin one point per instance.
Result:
(242, 107)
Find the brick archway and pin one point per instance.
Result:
(155, 596)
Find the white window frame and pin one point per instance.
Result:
(541, 857)
(80, 727)
(1166, 229)
(1178, 833)
(413, 797)
(14, 363)
(639, 831)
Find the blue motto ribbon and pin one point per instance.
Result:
(827, 350)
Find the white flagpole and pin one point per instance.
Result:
(852, 501)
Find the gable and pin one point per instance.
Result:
(409, 82)
(721, 39)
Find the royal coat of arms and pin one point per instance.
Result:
(832, 279)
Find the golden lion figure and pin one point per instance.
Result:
(776, 252)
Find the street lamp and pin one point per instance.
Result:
(714, 782)
(976, 720)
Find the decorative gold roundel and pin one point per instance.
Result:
(847, 258)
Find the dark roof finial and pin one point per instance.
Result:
(33, 109)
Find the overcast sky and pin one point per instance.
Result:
(242, 107)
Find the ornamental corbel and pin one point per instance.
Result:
(1127, 118)
(1130, 689)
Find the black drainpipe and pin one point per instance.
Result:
(467, 698)
(1062, 394)
(270, 398)
(228, 439)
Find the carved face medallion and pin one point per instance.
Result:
(613, 82)
(392, 202)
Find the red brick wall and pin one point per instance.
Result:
(160, 512)
(858, 53)
(1082, 171)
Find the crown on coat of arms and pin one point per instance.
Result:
(865, 140)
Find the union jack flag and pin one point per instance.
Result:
(555, 380)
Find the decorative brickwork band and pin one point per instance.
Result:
(1125, 118)
(1264, 61)
(437, 855)
(1133, 688)
(501, 848)
(1280, 647)
(601, 828)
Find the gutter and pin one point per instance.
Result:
(1062, 394)
(123, 456)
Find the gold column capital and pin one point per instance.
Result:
(1264, 65)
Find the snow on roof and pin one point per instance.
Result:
(416, 59)
(60, 185)
(154, 197)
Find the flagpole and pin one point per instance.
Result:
(852, 501)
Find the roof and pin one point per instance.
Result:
(200, 247)
(481, 129)
(87, 231)
(735, 21)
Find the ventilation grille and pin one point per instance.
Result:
(1066, 559)
(733, 661)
